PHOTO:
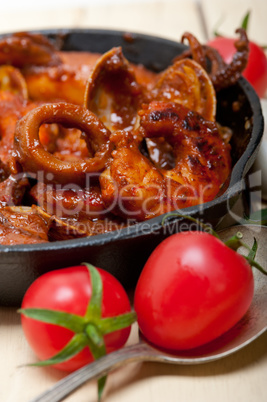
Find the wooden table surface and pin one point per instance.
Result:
(240, 377)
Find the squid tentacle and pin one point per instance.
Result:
(221, 74)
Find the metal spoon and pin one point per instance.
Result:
(253, 324)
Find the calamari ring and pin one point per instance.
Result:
(34, 159)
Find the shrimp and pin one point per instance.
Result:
(202, 158)
(139, 190)
(132, 187)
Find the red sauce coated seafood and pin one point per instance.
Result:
(91, 143)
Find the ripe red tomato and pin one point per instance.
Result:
(256, 69)
(70, 290)
(192, 289)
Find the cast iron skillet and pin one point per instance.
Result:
(124, 252)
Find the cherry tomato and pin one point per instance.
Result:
(192, 289)
(256, 69)
(70, 290)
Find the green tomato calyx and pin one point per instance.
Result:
(235, 242)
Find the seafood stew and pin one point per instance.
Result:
(90, 140)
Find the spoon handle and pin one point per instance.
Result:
(97, 369)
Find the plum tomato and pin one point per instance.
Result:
(192, 289)
(256, 69)
(69, 290)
